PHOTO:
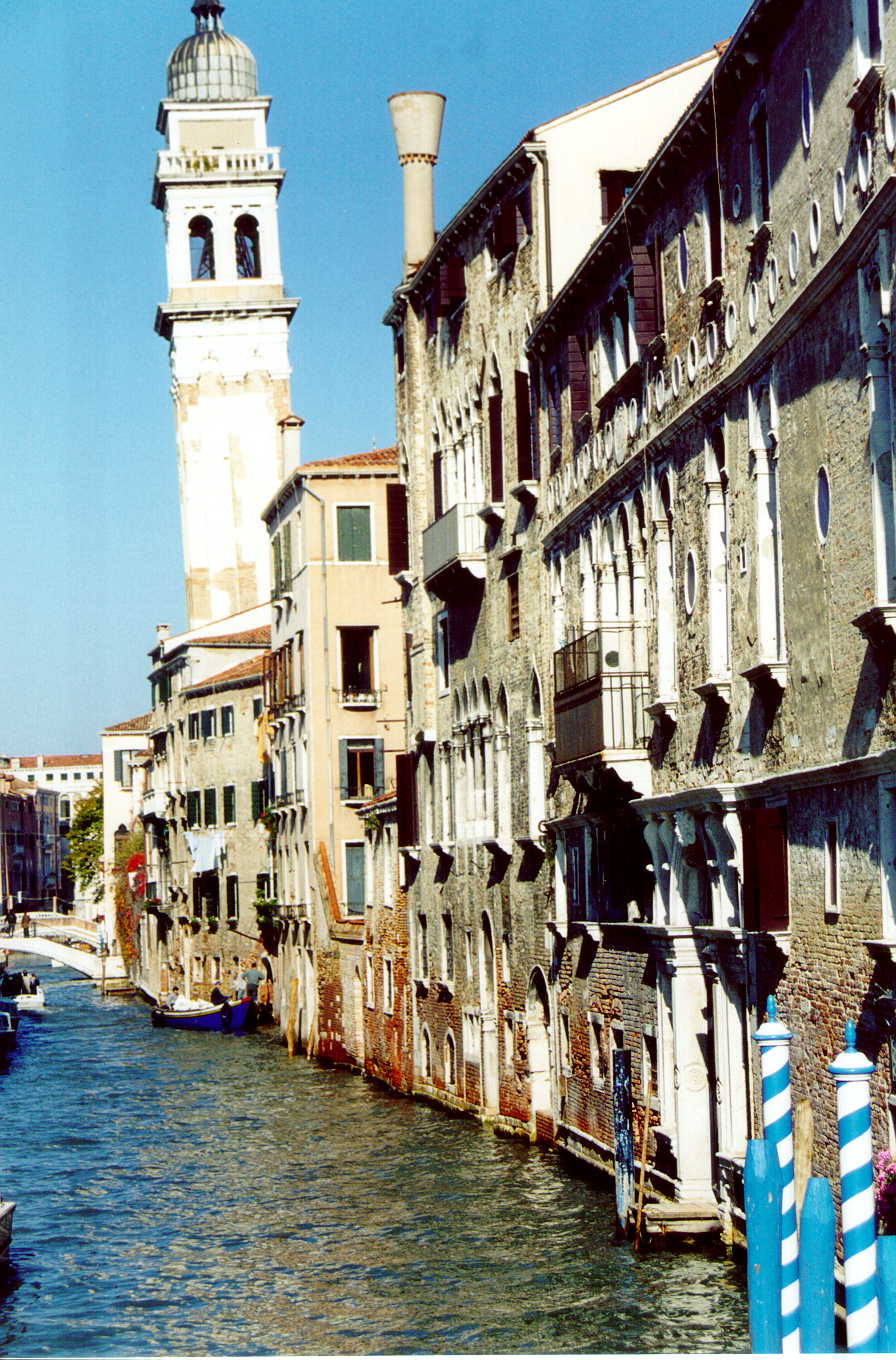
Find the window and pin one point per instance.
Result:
(807, 107)
(496, 441)
(353, 537)
(355, 886)
(450, 1061)
(513, 604)
(397, 527)
(831, 869)
(422, 947)
(525, 452)
(64, 776)
(194, 808)
(447, 947)
(577, 350)
(77, 774)
(256, 707)
(229, 804)
(202, 249)
(356, 646)
(227, 720)
(426, 1054)
(614, 188)
(760, 171)
(578, 876)
(248, 254)
(388, 986)
(598, 1050)
(442, 650)
(866, 23)
(210, 807)
(209, 723)
(712, 227)
(368, 981)
(766, 888)
(360, 768)
(233, 897)
(259, 798)
(65, 808)
(683, 261)
(122, 768)
(649, 1085)
(193, 727)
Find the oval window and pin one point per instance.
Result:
(753, 305)
(712, 342)
(793, 255)
(690, 582)
(822, 504)
(839, 196)
(863, 164)
(676, 376)
(814, 226)
(730, 325)
(692, 359)
(682, 261)
(890, 122)
(772, 281)
(737, 201)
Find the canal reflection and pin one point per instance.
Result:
(201, 1194)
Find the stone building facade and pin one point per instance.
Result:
(207, 859)
(718, 535)
(476, 877)
(335, 722)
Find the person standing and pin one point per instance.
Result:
(252, 977)
(26, 924)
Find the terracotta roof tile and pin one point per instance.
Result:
(57, 762)
(372, 458)
(244, 670)
(253, 637)
(140, 724)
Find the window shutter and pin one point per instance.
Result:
(211, 807)
(438, 501)
(766, 895)
(523, 426)
(522, 205)
(379, 779)
(496, 446)
(452, 285)
(287, 555)
(504, 230)
(343, 769)
(229, 803)
(644, 285)
(256, 799)
(397, 527)
(406, 797)
(119, 767)
(577, 367)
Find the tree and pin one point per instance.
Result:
(85, 844)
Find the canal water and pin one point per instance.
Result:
(199, 1195)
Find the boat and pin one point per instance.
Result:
(8, 1026)
(229, 1017)
(24, 990)
(7, 1208)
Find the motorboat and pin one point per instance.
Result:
(8, 1026)
(32, 1001)
(7, 1208)
(24, 990)
(228, 1017)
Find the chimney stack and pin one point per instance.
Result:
(417, 124)
(290, 453)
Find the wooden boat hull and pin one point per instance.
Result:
(7, 1208)
(232, 1017)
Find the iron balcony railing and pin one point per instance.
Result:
(599, 697)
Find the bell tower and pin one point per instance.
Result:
(226, 318)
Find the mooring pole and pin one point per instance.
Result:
(852, 1072)
(762, 1204)
(817, 1250)
(774, 1039)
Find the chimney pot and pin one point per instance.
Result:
(417, 124)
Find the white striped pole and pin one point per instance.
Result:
(852, 1072)
(774, 1039)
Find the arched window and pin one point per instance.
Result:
(450, 1060)
(202, 249)
(248, 254)
(426, 1054)
(535, 762)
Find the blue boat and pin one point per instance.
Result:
(231, 1017)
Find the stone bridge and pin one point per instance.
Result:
(54, 936)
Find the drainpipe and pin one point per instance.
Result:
(328, 697)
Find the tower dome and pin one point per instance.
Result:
(210, 65)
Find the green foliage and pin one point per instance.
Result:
(85, 844)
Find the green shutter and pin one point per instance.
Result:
(343, 769)
(287, 556)
(211, 807)
(353, 533)
(379, 778)
(256, 799)
(229, 804)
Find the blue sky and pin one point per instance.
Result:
(91, 559)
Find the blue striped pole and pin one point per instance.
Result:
(852, 1072)
(762, 1205)
(886, 1293)
(818, 1232)
(774, 1039)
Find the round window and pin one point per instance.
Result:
(682, 261)
(676, 376)
(690, 582)
(793, 256)
(822, 504)
(692, 359)
(712, 342)
(772, 281)
(839, 196)
(863, 164)
(730, 325)
(753, 305)
(814, 226)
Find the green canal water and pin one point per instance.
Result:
(201, 1194)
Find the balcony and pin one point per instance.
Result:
(454, 549)
(235, 163)
(359, 698)
(599, 698)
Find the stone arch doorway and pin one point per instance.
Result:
(538, 1044)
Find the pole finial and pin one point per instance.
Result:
(208, 14)
(771, 1008)
(849, 1033)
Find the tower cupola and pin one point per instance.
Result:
(211, 66)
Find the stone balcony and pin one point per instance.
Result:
(454, 549)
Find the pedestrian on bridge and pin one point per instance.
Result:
(10, 920)
(26, 925)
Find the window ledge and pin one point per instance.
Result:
(877, 624)
(492, 510)
(497, 846)
(715, 690)
(663, 706)
(883, 948)
(863, 89)
(711, 295)
(410, 852)
(445, 989)
(590, 928)
(421, 986)
(767, 673)
(527, 842)
(405, 578)
(526, 490)
(443, 848)
(760, 237)
(623, 387)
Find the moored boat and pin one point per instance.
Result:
(23, 990)
(7, 1208)
(8, 1025)
(230, 1017)
(31, 1001)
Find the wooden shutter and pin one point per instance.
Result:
(504, 230)
(397, 527)
(438, 500)
(766, 890)
(577, 368)
(257, 799)
(523, 426)
(379, 778)
(343, 770)
(287, 555)
(406, 797)
(211, 807)
(496, 446)
(645, 292)
(452, 285)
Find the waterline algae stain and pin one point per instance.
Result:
(195, 1194)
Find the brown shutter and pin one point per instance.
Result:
(523, 426)
(438, 500)
(452, 284)
(504, 230)
(577, 366)
(766, 896)
(644, 287)
(397, 527)
(406, 797)
(496, 446)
